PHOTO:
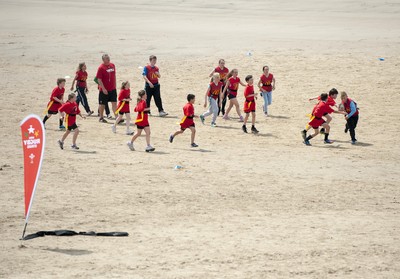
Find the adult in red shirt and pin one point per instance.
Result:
(223, 73)
(321, 109)
(151, 74)
(266, 84)
(106, 78)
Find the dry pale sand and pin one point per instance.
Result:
(243, 206)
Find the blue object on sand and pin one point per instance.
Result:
(381, 59)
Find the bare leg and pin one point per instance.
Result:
(147, 131)
(245, 119)
(177, 133)
(253, 118)
(117, 120)
(65, 135)
(75, 136)
(101, 110)
(229, 108)
(114, 107)
(236, 103)
(128, 121)
(192, 136)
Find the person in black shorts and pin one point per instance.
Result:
(106, 78)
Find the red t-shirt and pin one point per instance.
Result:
(57, 92)
(142, 118)
(71, 109)
(81, 77)
(222, 73)
(321, 109)
(233, 85)
(151, 74)
(124, 94)
(330, 100)
(215, 90)
(187, 120)
(107, 75)
(267, 82)
(249, 90)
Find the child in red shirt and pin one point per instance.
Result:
(250, 105)
(56, 100)
(187, 120)
(71, 109)
(333, 93)
(142, 121)
(232, 86)
(321, 109)
(124, 97)
(81, 87)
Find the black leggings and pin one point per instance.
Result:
(351, 125)
(154, 92)
(82, 98)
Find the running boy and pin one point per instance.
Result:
(71, 109)
(187, 121)
(124, 97)
(333, 93)
(213, 92)
(56, 100)
(250, 105)
(142, 121)
(316, 121)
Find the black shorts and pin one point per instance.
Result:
(250, 111)
(193, 125)
(230, 96)
(122, 113)
(141, 127)
(111, 97)
(52, 112)
(72, 127)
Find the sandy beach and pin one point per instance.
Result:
(243, 205)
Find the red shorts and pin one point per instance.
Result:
(188, 122)
(124, 109)
(249, 106)
(316, 122)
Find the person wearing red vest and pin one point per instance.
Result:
(333, 93)
(213, 91)
(223, 73)
(351, 115)
(151, 74)
(266, 84)
(81, 87)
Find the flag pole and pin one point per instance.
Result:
(23, 233)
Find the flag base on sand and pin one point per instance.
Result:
(71, 233)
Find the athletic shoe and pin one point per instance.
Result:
(328, 141)
(266, 114)
(244, 129)
(194, 145)
(130, 145)
(163, 114)
(109, 116)
(113, 129)
(226, 117)
(202, 119)
(307, 142)
(62, 128)
(129, 133)
(254, 130)
(241, 119)
(171, 138)
(213, 124)
(150, 148)
(102, 120)
(61, 144)
(322, 131)
(74, 147)
(353, 141)
(90, 113)
(304, 134)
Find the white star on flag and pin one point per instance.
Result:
(31, 130)
(31, 157)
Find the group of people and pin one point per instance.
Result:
(320, 116)
(223, 86)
